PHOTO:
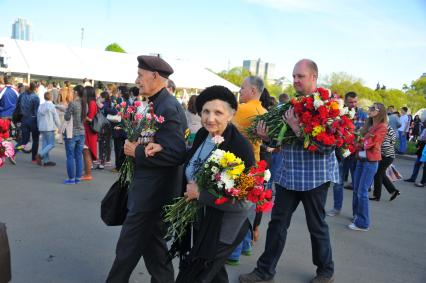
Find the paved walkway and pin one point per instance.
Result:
(56, 234)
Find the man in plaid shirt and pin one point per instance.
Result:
(304, 177)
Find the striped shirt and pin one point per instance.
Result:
(388, 145)
(303, 170)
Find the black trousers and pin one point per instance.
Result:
(28, 127)
(216, 273)
(119, 152)
(105, 144)
(142, 235)
(286, 202)
(381, 178)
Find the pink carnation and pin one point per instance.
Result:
(138, 116)
(123, 104)
(8, 149)
(159, 119)
(137, 103)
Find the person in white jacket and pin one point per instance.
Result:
(47, 122)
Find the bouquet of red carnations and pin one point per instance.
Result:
(140, 124)
(324, 121)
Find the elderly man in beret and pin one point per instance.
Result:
(155, 183)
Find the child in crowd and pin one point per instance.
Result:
(47, 122)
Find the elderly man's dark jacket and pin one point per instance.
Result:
(157, 178)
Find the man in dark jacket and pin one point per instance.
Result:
(155, 183)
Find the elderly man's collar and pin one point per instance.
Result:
(152, 98)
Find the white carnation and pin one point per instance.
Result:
(352, 113)
(346, 153)
(267, 175)
(318, 103)
(227, 181)
(343, 111)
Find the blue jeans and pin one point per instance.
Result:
(364, 176)
(244, 246)
(349, 164)
(402, 136)
(48, 142)
(338, 190)
(416, 169)
(74, 151)
(286, 202)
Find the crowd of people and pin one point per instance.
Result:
(166, 168)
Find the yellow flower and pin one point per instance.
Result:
(236, 170)
(227, 158)
(245, 183)
(317, 130)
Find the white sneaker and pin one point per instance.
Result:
(333, 212)
(352, 226)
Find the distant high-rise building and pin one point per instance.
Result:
(259, 68)
(21, 29)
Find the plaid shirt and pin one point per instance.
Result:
(303, 170)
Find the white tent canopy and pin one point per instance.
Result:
(60, 61)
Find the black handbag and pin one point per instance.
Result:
(5, 273)
(98, 122)
(114, 205)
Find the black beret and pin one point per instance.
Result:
(213, 93)
(155, 64)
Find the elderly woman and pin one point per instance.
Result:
(221, 227)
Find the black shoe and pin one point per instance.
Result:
(394, 195)
(374, 198)
(252, 277)
(49, 163)
(409, 180)
(349, 187)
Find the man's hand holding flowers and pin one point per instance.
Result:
(130, 148)
(291, 119)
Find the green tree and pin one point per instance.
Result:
(115, 47)
(236, 75)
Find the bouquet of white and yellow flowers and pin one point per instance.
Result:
(225, 176)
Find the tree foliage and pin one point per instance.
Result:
(412, 96)
(115, 47)
(236, 75)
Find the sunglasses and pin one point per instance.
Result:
(373, 108)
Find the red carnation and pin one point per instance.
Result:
(312, 148)
(265, 207)
(220, 200)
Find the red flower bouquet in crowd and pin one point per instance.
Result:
(140, 124)
(325, 121)
(6, 150)
(4, 128)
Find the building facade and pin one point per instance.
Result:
(259, 68)
(21, 29)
